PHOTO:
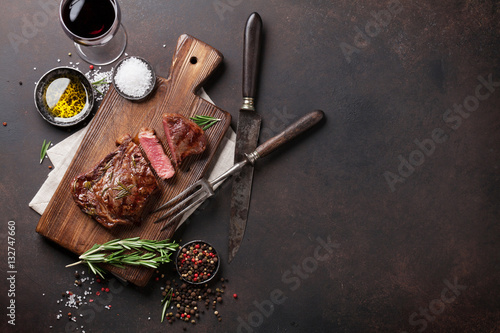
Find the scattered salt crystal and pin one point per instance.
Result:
(133, 77)
(104, 79)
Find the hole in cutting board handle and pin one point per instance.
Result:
(193, 60)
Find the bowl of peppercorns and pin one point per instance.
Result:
(197, 262)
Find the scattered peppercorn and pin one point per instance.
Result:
(50, 166)
(91, 67)
(188, 300)
(4, 123)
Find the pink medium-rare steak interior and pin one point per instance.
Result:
(155, 153)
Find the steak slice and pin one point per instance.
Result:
(184, 137)
(117, 189)
(155, 153)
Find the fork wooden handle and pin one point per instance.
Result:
(298, 127)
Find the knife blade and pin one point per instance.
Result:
(247, 134)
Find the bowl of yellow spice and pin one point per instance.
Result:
(64, 96)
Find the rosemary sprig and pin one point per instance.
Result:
(45, 146)
(124, 190)
(204, 121)
(99, 83)
(148, 253)
(166, 303)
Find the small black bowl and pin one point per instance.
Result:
(184, 262)
(147, 92)
(47, 79)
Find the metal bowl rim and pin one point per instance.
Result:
(216, 268)
(86, 82)
(150, 89)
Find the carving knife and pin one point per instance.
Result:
(247, 134)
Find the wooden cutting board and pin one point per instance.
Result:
(64, 223)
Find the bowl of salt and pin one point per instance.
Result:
(134, 78)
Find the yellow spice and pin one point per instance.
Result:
(65, 97)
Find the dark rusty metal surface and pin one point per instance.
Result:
(247, 136)
(385, 219)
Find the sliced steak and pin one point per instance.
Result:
(155, 153)
(184, 137)
(117, 189)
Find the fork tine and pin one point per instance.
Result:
(179, 205)
(181, 213)
(180, 195)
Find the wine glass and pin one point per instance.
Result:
(94, 26)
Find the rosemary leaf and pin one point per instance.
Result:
(166, 303)
(148, 253)
(43, 152)
(205, 122)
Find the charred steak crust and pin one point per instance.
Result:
(184, 136)
(117, 189)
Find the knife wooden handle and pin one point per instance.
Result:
(289, 133)
(251, 52)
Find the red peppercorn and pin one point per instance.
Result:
(5, 123)
(97, 293)
(106, 290)
(91, 67)
(235, 296)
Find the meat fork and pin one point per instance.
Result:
(204, 189)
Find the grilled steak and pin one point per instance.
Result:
(184, 137)
(155, 153)
(117, 189)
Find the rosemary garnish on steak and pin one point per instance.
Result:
(124, 190)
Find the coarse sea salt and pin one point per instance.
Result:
(100, 82)
(133, 77)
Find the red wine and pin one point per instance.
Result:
(89, 18)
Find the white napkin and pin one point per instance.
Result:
(62, 154)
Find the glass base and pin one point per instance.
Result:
(107, 53)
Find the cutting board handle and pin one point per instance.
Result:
(192, 64)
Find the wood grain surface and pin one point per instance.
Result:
(65, 224)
